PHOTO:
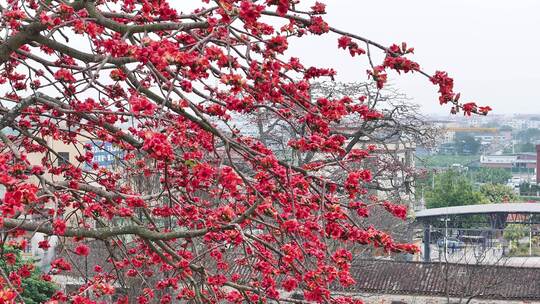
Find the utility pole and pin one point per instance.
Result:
(445, 238)
(530, 234)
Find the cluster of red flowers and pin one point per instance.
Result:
(44, 244)
(13, 18)
(352, 183)
(333, 109)
(82, 249)
(230, 180)
(446, 95)
(59, 227)
(399, 211)
(240, 104)
(236, 81)
(282, 6)
(318, 26)
(50, 20)
(471, 107)
(318, 8)
(366, 112)
(314, 143)
(17, 197)
(158, 146)
(357, 154)
(118, 75)
(60, 265)
(446, 86)
(400, 64)
(91, 29)
(203, 200)
(314, 72)
(140, 104)
(277, 44)
(378, 74)
(361, 208)
(7, 296)
(64, 75)
(346, 42)
(250, 12)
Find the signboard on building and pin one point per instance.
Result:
(106, 154)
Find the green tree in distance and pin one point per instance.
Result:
(466, 144)
(513, 233)
(497, 193)
(452, 188)
(492, 175)
(529, 135)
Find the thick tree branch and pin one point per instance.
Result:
(13, 43)
(104, 233)
(132, 29)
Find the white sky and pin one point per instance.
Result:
(489, 47)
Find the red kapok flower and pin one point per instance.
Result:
(117, 75)
(59, 227)
(157, 145)
(398, 211)
(318, 8)
(289, 284)
(250, 12)
(44, 244)
(82, 249)
(64, 75)
(141, 104)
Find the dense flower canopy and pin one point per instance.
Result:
(188, 205)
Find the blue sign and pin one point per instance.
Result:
(106, 154)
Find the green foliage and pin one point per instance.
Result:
(452, 188)
(497, 193)
(528, 135)
(513, 233)
(35, 289)
(445, 161)
(466, 144)
(528, 147)
(522, 250)
(525, 198)
(527, 189)
(492, 175)
(521, 148)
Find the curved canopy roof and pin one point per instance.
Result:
(508, 208)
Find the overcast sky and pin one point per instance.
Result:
(490, 47)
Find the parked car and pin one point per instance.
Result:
(451, 243)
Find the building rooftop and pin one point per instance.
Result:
(525, 208)
(436, 279)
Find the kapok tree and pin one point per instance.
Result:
(193, 209)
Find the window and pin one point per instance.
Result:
(63, 158)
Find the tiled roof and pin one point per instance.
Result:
(440, 279)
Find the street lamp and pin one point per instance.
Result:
(446, 219)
